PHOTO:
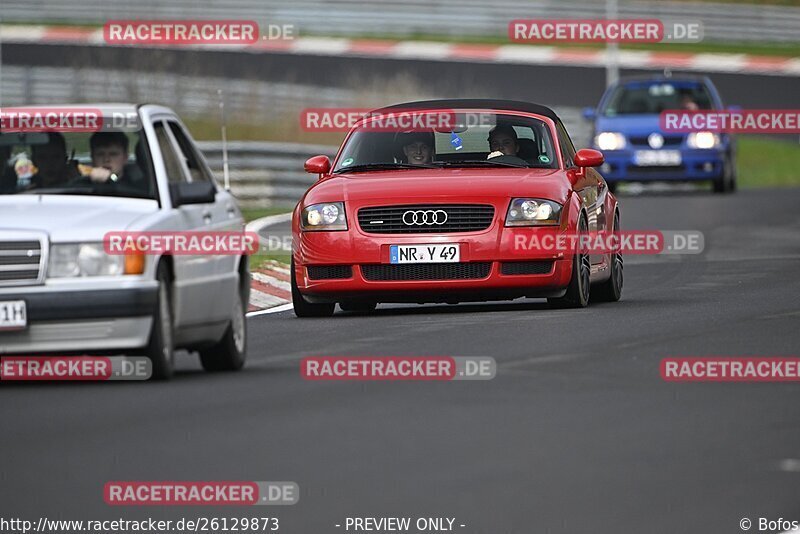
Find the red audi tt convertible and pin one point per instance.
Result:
(453, 201)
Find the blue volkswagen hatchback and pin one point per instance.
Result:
(626, 129)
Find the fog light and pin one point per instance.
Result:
(708, 167)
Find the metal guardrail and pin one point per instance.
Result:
(265, 174)
(722, 22)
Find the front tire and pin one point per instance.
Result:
(727, 182)
(577, 295)
(161, 347)
(308, 309)
(230, 353)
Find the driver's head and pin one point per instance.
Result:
(503, 138)
(109, 150)
(51, 158)
(417, 147)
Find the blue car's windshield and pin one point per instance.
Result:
(653, 97)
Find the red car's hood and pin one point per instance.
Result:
(431, 185)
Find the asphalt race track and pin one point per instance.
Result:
(577, 432)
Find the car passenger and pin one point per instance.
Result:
(53, 169)
(503, 141)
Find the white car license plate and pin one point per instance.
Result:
(650, 158)
(13, 315)
(447, 253)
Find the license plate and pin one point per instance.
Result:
(650, 158)
(13, 315)
(448, 253)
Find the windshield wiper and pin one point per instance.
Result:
(384, 166)
(58, 191)
(483, 163)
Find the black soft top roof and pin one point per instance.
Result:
(476, 103)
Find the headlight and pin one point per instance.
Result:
(702, 140)
(83, 259)
(326, 216)
(533, 212)
(610, 141)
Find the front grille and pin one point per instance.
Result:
(669, 140)
(329, 272)
(427, 271)
(526, 267)
(460, 218)
(20, 262)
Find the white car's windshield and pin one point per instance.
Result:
(448, 139)
(110, 163)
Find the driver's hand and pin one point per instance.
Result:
(99, 174)
(495, 154)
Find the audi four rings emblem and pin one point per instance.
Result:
(423, 217)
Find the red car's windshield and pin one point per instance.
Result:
(448, 138)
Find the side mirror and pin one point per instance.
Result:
(589, 114)
(318, 165)
(588, 157)
(183, 193)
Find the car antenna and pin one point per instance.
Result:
(226, 177)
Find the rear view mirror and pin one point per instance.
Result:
(589, 114)
(183, 193)
(588, 157)
(318, 165)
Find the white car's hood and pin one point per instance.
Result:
(71, 218)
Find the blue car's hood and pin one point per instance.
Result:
(629, 124)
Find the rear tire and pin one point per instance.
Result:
(308, 309)
(611, 289)
(161, 347)
(577, 295)
(230, 353)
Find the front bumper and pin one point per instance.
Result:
(355, 249)
(695, 165)
(74, 320)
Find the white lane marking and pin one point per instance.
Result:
(422, 49)
(276, 309)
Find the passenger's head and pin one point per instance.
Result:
(417, 147)
(503, 138)
(109, 150)
(688, 103)
(51, 158)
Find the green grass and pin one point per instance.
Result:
(251, 214)
(759, 49)
(765, 162)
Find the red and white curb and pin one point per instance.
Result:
(437, 51)
(270, 289)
